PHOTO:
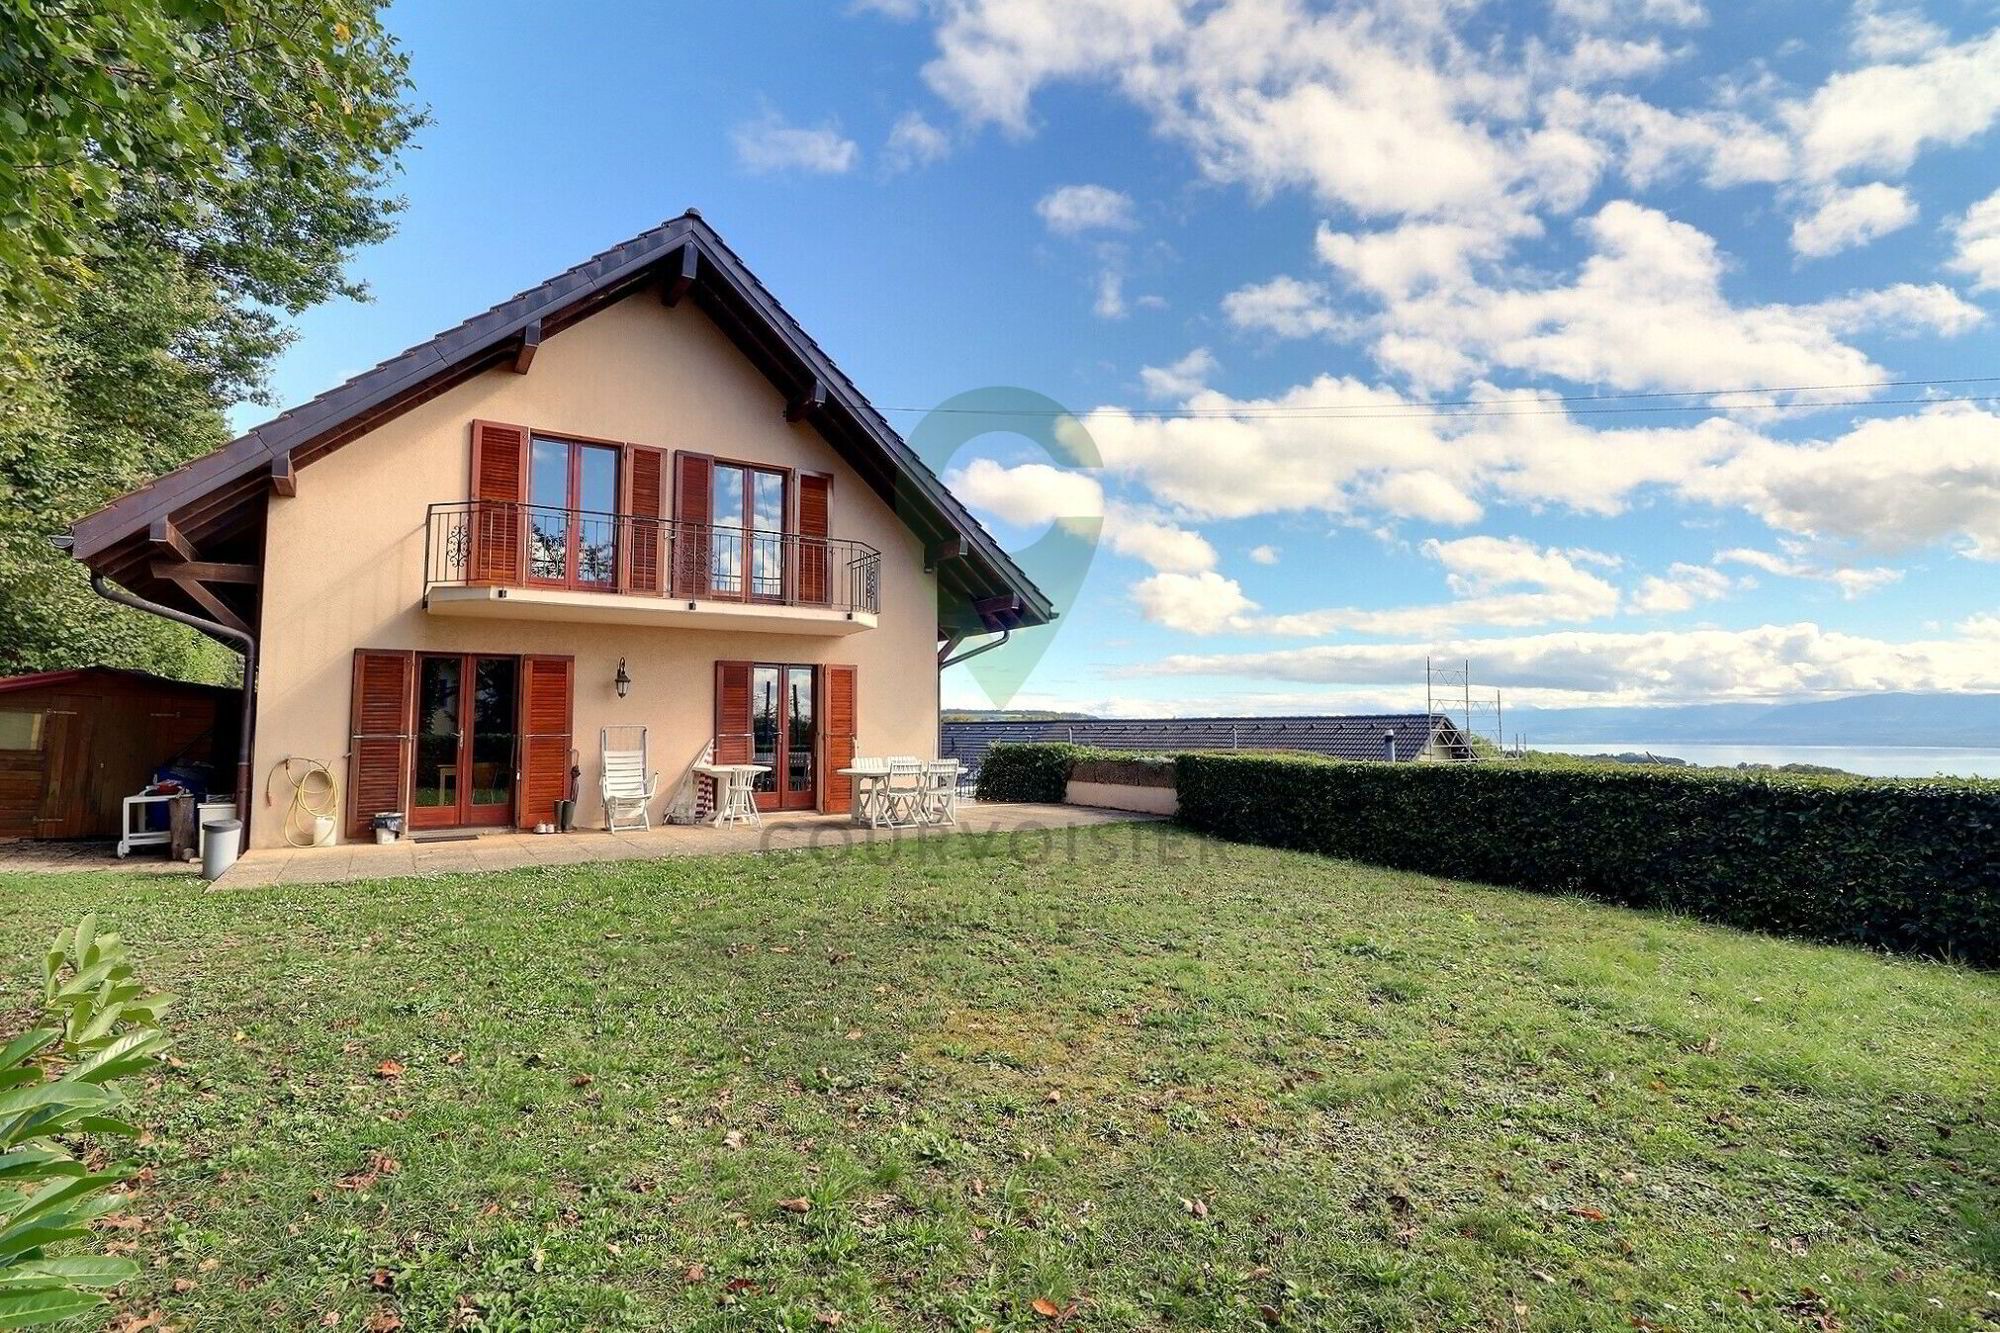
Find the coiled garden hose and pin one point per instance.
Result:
(313, 797)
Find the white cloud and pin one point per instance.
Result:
(1264, 555)
(1423, 494)
(914, 142)
(1417, 254)
(1852, 582)
(1723, 146)
(1156, 540)
(1029, 494)
(1284, 306)
(1071, 210)
(1893, 34)
(1110, 300)
(768, 144)
(1882, 116)
(1621, 13)
(1681, 588)
(1844, 219)
(1202, 603)
(1977, 235)
(1179, 379)
(1660, 666)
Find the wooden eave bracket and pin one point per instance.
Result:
(181, 566)
(808, 404)
(284, 477)
(531, 342)
(936, 553)
(683, 278)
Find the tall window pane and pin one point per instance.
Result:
(767, 552)
(764, 723)
(548, 520)
(596, 502)
(725, 572)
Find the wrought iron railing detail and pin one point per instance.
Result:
(492, 543)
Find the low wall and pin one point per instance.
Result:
(1122, 796)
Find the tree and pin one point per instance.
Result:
(175, 177)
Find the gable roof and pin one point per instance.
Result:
(217, 499)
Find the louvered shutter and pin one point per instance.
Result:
(815, 559)
(545, 736)
(732, 713)
(499, 489)
(380, 735)
(839, 724)
(694, 497)
(645, 532)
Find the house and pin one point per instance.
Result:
(1395, 737)
(638, 493)
(75, 744)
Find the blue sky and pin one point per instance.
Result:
(1255, 246)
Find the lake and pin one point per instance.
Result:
(1882, 761)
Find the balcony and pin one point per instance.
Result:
(508, 561)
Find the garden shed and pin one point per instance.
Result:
(74, 744)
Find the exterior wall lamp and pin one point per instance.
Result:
(622, 682)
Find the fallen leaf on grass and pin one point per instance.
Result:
(455, 1058)
(1195, 1207)
(694, 1273)
(828, 1318)
(384, 1321)
(389, 1069)
(733, 1139)
(1588, 1214)
(582, 1081)
(1270, 1314)
(381, 1280)
(798, 1205)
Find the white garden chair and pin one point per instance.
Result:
(940, 799)
(627, 785)
(901, 800)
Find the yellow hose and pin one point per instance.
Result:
(313, 797)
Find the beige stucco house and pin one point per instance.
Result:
(636, 494)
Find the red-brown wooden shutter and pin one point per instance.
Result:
(499, 489)
(815, 564)
(694, 497)
(545, 737)
(645, 532)
(839, 723)
(379, 735)
(732, 713)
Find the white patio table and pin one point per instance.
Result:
(736, 792)
(870, 776)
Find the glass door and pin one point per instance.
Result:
(783, 737)
(747, 542)
(465, 753)
(572, 515)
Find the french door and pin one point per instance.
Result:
(784, 735)
(747, 543)
(572, 513)
(468, 708)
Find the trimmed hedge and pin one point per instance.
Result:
(1040, 770)
(1910, 866)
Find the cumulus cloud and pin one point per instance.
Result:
(1880, 117)
(1681, 588)
(1264, 555)
(1110, 299)
(1893, 34)
(1179, 379)
(1028, 494)
(1852, 582)
(1203, 603)
(1071, 210)
(1844, 219)
(914, 142)
(1156, 540)
(1285, 306)
(1622, 13)
(1977, 237)
(1613, 667)
(768, 145)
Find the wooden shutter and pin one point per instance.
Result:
(694, 497)
(499, 489)
(839, 723)
(546, 702)
(380, 735)
(815, 563)
(644, 538)
(732, 713)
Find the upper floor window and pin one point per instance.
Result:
(748, 511)
(573, 512)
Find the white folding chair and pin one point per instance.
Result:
(626, 785)
(901, 802)
(940, 803)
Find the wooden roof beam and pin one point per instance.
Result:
(284, 476)
(211, 571)
(808, 404)
(165, 535)
(524, 351)
(681, 278)
(937, 552)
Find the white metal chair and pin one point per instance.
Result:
(900, 802)
(940, 798)
(627, 786)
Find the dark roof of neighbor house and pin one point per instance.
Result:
(80, 675)
(1338, 736)
(214, 502)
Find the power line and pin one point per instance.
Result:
(1422, 409)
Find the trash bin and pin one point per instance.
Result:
(388, 825)
(221, 841)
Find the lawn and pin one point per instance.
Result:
(1122, 1078)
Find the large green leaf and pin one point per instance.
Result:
(29, 1309)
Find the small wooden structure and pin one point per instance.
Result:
(74, 744)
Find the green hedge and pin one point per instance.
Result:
(1911, 866)
(1040, 770)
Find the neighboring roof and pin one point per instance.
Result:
(1338, 736)
(81, 675)
(218, 497)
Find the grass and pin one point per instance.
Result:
(1143, 1079)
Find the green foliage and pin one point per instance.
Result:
(58, 1083)
(1898, 865)
(173, 178)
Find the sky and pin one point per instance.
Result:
(1580, 339)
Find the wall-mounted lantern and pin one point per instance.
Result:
(622, 682)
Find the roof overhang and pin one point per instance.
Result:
(219, 498)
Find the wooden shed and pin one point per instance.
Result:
(74, 744)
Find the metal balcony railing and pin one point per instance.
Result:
(492, 543)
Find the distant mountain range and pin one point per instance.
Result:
(1971, 720)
